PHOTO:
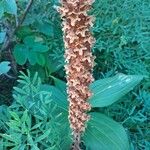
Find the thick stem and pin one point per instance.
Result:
(76, 141)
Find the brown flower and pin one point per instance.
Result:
(78, 43)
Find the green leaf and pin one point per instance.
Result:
(19, 90)
(39, 69)
(61, 85)
(29, 41)
(4, 67)
(44, 27)
(109, 90)
(21, 54)
(38, 47)
(7, 144)
(11, 6)
(14, 115)
(7, 137)
(23, 31)
(32, 57)
(32, 143)
(52, 65)
(36, 126)
(51, 148)
(24, 128)
(40, 59)
(65, 134)
(43, 136)
(4, 114)
(105, 134)
(2, 34)
(14, 125)
(24, 117)
(56, 95)
(14, 137)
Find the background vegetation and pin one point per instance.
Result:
(122, 32)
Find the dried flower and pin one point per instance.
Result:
(78, 43)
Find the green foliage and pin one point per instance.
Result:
(31, 50)
(4, 117)
(36, 121)
(122, 37)
(61, 85)
(104, 133)
(44, 26)
(39, 107)
(122, 46)
(107, 91)
(59, 97)
(47, 24)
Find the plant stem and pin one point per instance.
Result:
(76, 144)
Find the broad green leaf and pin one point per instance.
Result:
(109, 90)
(11, 6)
(4, 67)
(52, 65)
(40, 59)
(20, 54)
(65, 131)
(38, 47)
(32, 57)
(57, 96)
(23, 31)
(105, 134)
(35, 46)
(2, 35)
(29, 41)
(44, 27)
(61, 85)
(65, 134)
